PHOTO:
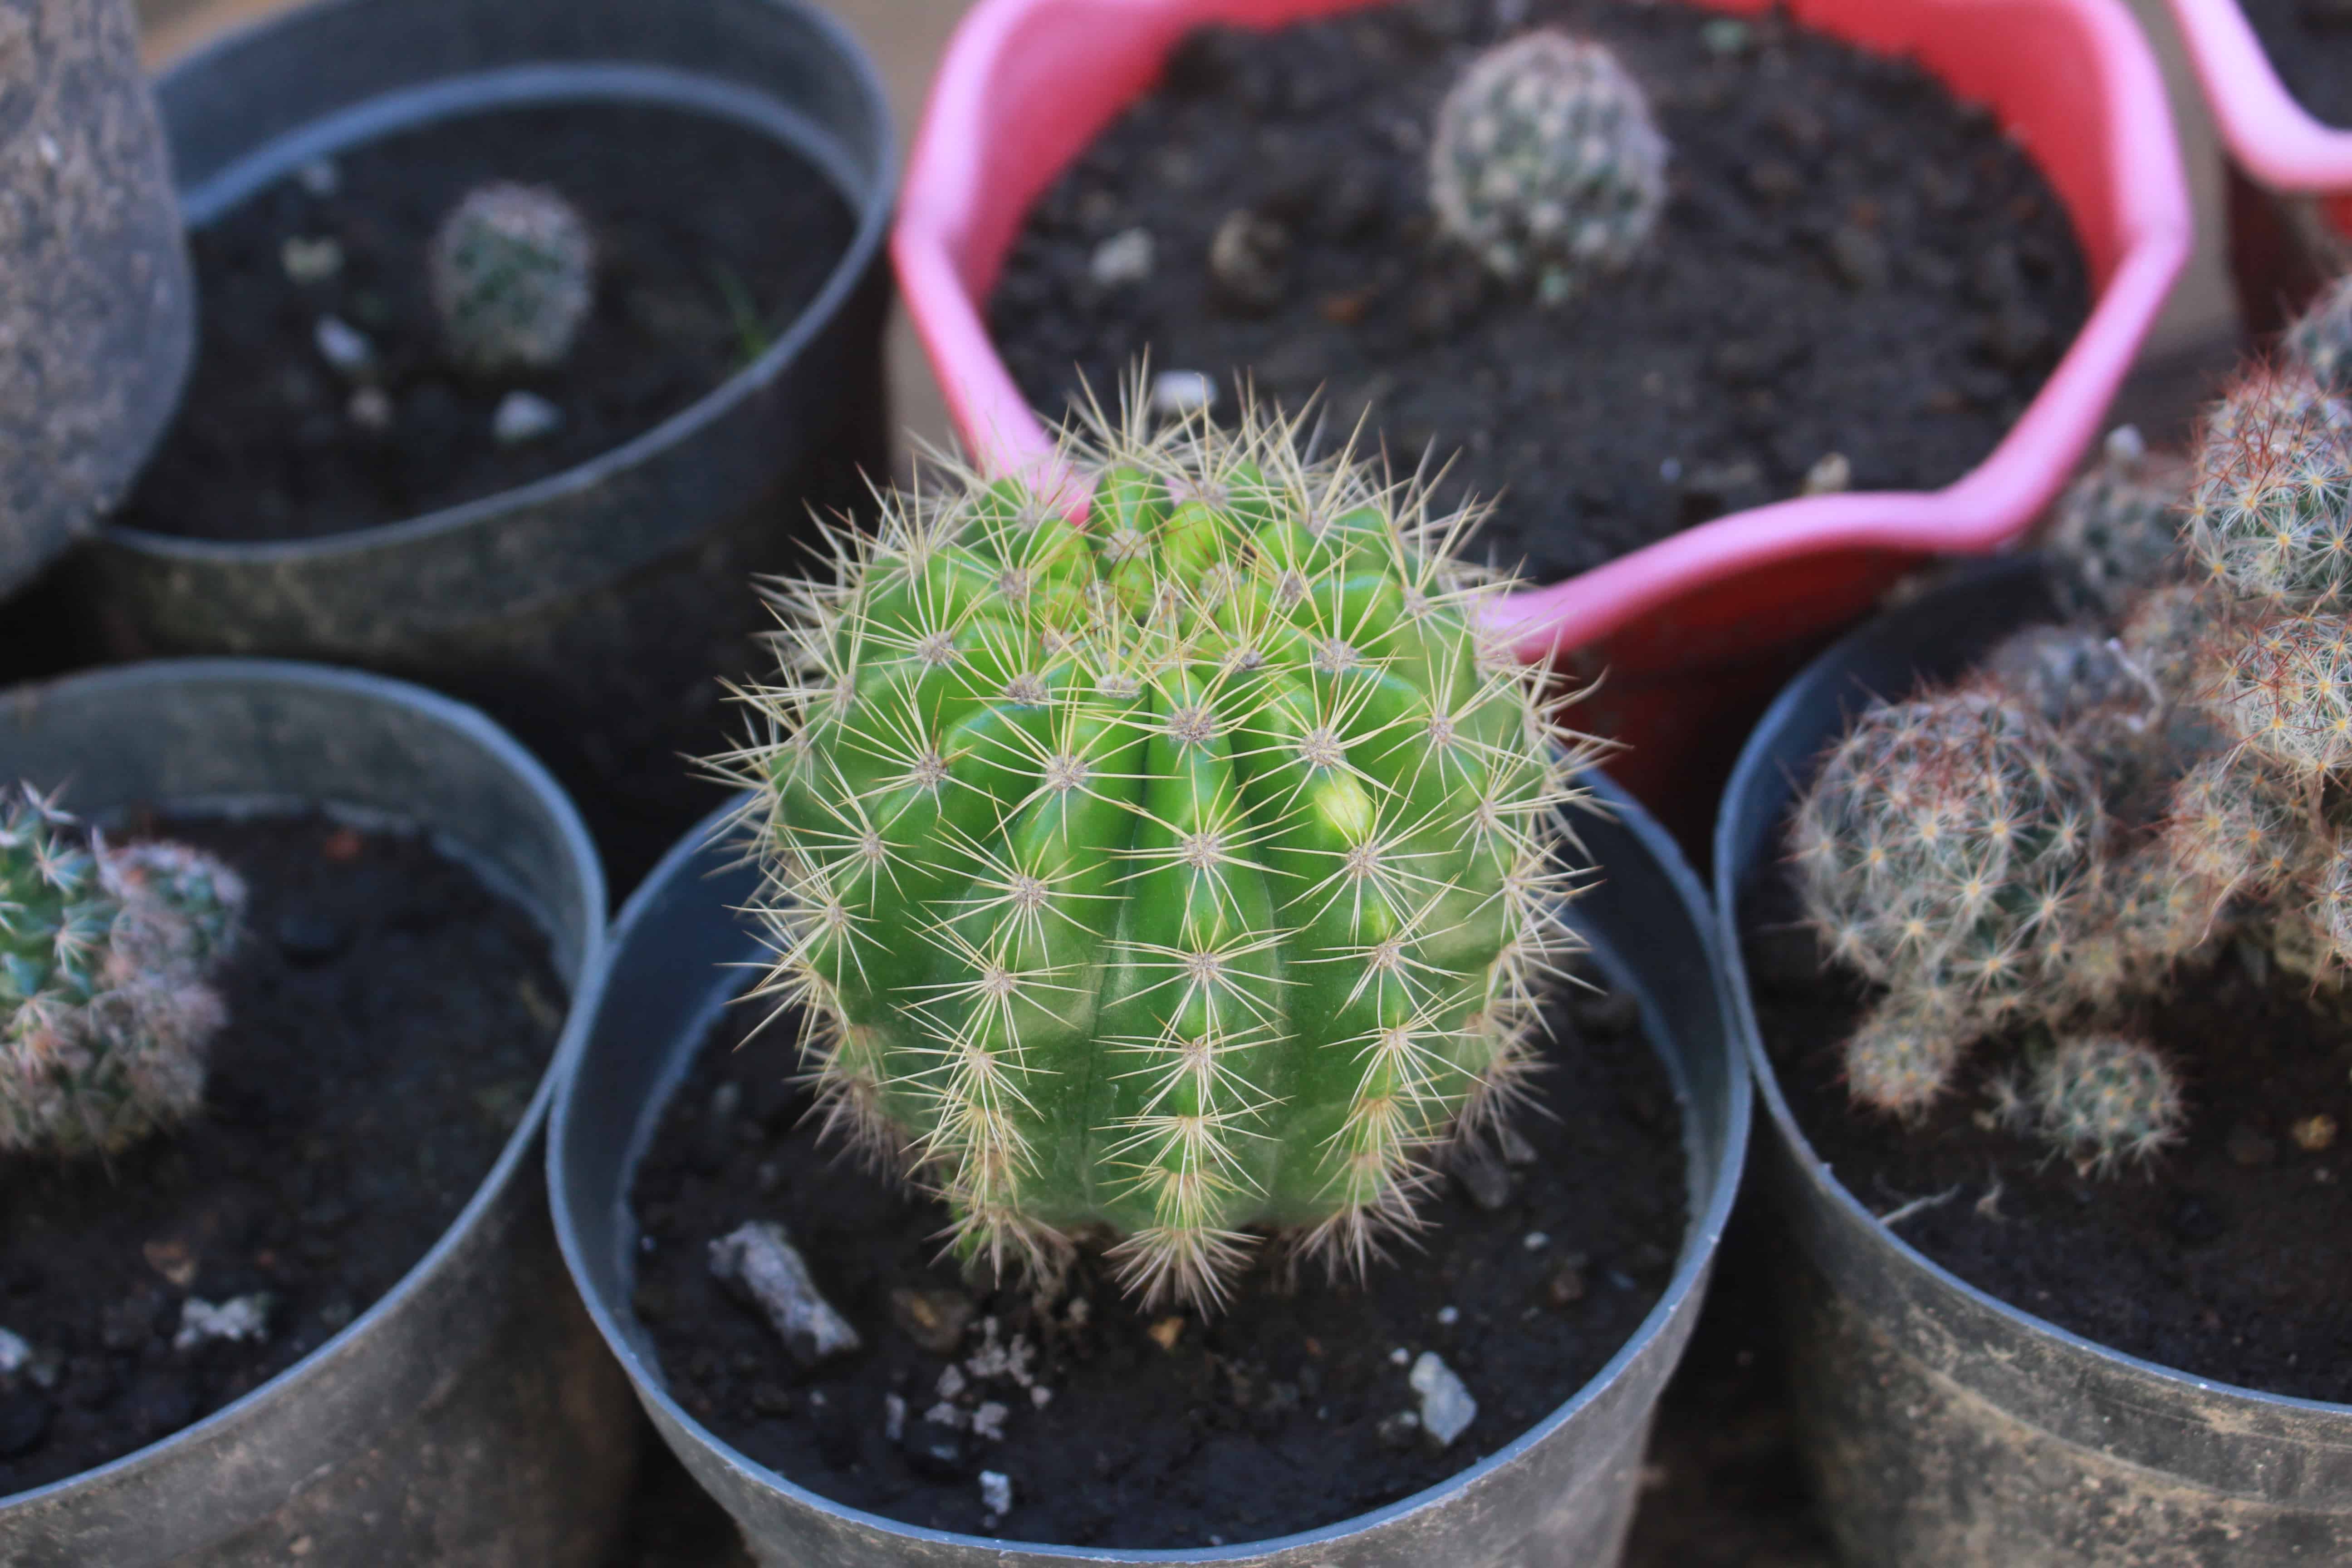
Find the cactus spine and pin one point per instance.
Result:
(105, 1017)
(1177, 874)
(512, 269)
(1547, 163)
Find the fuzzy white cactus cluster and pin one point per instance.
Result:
(1178, 874)
(1548, 164)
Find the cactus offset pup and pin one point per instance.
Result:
(512, 269)
(1168, 876)
(105, 1016)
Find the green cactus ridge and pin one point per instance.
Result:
(1172, 875)
(1547, 163)
(513, 273)
(105, 1017)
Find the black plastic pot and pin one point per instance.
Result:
(470, 1415)
(1945, 1428)
(591, 612)
(1561, 1492)
(97, 316)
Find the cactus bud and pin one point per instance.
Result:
(1547, 163)
(513, 275)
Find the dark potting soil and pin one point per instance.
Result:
(2225, 1256)
(1850, 261)
(710, 239)
(1160, 1429)
(389, 1020)
(2309, 43)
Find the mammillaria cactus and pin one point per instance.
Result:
(105, 1016)
(2117, 528)
(1547, 163)
(513, 275)
(2320, 341)
(2271, 516)
(1181, 872)
(2105, 1099)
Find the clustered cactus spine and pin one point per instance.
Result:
(512, 271)
(1177, 874)
(2117, 528)
(1547, 163)
(105, 1016)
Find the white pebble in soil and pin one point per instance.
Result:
(524, 417)
(319, 177)
(238, 1317)
(1401, 1356)
(995, 1494)
(759, 1260)
(310, 260)
(1176, 393)
(15, 1355)
(1448, 1316)
(343, 346)
(1447, 1407)
(988, 1421)
(893, 1417)
(370, 409)
(1535, 1241)
(1124, 258)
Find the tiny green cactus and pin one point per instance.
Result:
(2270, 514)
(105, 1016)
(2105, 1099)
(1174, 875)
(1941, 839)
(2117, 528)
(1904, 1055)
(512, 269)
(1547, 163)
(2320, 341)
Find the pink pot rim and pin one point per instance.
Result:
(2271, 136)
(1985, 509)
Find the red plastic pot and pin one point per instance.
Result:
(1695, 631)
(2274, 138)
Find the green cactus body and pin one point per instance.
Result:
(1905, 1052)
(1941, 839)
(512, 271)
(104, 1016)
(2105, 1099)
(1171, 876)
(1547, 163)
(2320, 341)
(2117, 528)
(2286, 693)
(2231, 832)
(2271, 515)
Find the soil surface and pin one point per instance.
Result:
(710, 239)
(389, 1019)
(2309, 43)
(1159, 1430)
(1850, 262)
(2225, 1256)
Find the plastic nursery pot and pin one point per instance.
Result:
(468, 1415)
(1561, 1492)
(97, 315)
(1688, 628)
(2270, 136)
(590, 611)
(1944, 1428)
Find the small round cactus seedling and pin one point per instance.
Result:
(105, 1016)
(2286, 692)
(1939, 840)
(2233, 831)
(2104, 1100)
(513, 275)
(2271, 515)
(1905, 1053)
(2117, 528)
(2320, 341)
(1181, 875)
(1547, 163)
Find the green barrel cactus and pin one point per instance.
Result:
(512, 271)
(105, 1016)
(1170, 874)
(1547, 163)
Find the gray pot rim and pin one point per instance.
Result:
(865, 242)
(472, 726)
(1825, 1187)
(1701, 1233)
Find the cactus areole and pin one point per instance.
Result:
(1169, 876)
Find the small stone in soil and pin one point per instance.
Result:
(1535, 1241)
(523, 416)
(988, 1421)
(996, 1493)
(15, 1355)
(1401, 1357)
(310, 260)
(2314, 1133)
(893, 1417)
(1166, 1332)
(343, 346)
(934, 1320)
(1124, 258)
(1176, 393)
(1566, 1286)
(1446, 1406)
(1449, 1316)
(1831, 475)
(1401, 1430)
(238, 1317)
(759, 1261)
(1245, 261)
